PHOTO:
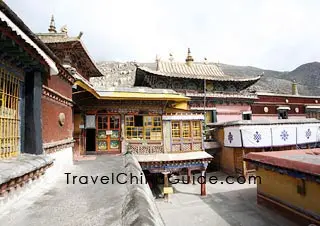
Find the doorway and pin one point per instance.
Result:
(108, 133)
(90, 140)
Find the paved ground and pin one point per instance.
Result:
(59, 203)
(224, 205)
(63, 204)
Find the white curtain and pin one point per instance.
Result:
(232, 137)
(256, 136)
(307, 133)
(271, 135)
(284, 135)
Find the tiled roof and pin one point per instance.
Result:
(12, 21)
(56, 37)
(137, 90)
(223, 95)
(78, 46)
(195, 71)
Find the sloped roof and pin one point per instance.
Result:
(127, 93)
(11, 20)
(52, 39)
(56, 37)
(195, 71)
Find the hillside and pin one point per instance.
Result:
(307, 76)
(280, 82)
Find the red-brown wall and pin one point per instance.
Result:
(296, 103)
(291, 99)
(61, 86)
(52, 131)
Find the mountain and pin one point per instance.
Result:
(307, 76)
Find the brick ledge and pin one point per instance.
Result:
(16, 172)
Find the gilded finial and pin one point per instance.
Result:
(64, 29)
(189, 59)
(171, 57)
(157, 62)
(52, 27)
(80, 34)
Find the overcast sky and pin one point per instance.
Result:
(279, 34)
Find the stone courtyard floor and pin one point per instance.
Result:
(225, 204)
(58, 203)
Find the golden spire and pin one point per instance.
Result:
(52, 27)
(157, 62)
(171, 57)
(189, 59)
(64, 29)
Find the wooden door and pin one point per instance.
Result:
(108, 133)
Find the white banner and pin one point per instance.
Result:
(282, 136)
(256, 136)
(232, 137)
(90, 121)
(308, 133)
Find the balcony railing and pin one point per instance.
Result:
(144, 149)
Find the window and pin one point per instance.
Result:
(187, 128)
(301, 187)
(196, 129)
(214, 116)
(283, 114)
(152, 128)
(9, 114)
(246, 116)
(313, 114)
(140, 127)
(175, 129)
(186, 132)
(186, 136)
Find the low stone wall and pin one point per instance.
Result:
(19, 173)
(139, 208)
(21, 165)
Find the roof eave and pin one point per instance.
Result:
(25, 33)
(225, 79)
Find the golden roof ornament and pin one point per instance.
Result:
(52, 27)
(80, 35)
(189, 59)
(157, 62)
(171, 57)
(64, 29)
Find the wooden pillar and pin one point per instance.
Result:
(244, 164)
(203, 183)
(122, 134)
(165, 183)
(189, 176)
(33, 125)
